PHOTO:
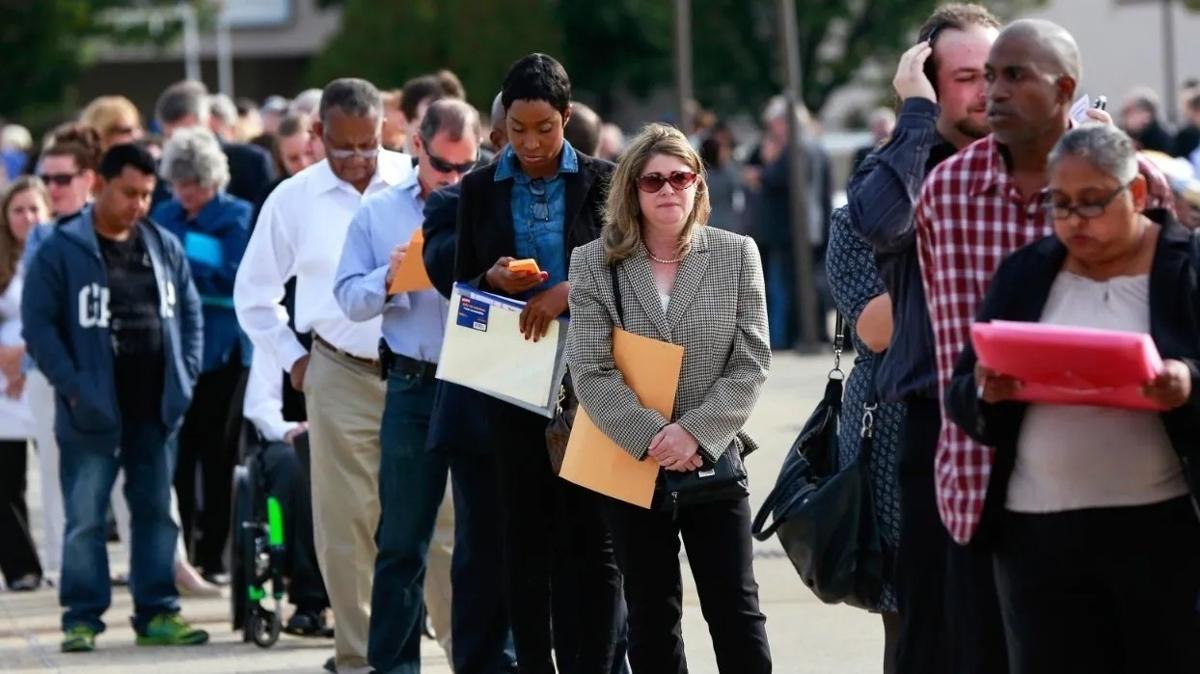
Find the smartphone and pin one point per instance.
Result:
(930, 70)
(526, 266)
(1101, 103)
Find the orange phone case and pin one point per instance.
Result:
(526, 266)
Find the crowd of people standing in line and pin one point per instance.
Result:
(156, 294)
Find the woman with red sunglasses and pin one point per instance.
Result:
(659, 272)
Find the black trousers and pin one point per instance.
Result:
(559, 565)
(285, 469)
(1103, 590)
(18, 556)
(717, 537)
(208, 447)
(949, 615)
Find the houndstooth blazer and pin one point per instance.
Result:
(717, 313)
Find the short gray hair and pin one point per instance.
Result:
(306, 103)
(223, 108)
(1105, 147)
(451, 116)
(181, 99)
(353, 96)
(195, 155)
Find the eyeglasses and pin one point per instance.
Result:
(442, 166)
(60, 179)
(679, 180)
(1062, 211)
(340, 154)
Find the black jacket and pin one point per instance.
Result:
(485, 226)
(1018, 293)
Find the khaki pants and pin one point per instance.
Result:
(345, 402)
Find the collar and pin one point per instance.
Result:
(996, 172)
(411, 186)
(389, 170)
(697, 244)
(508, 167)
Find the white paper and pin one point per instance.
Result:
(1080, 107)
(484, 350)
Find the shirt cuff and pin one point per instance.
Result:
(289, 354)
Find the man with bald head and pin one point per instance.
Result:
(975, 208)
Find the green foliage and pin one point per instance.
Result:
(615, 46)
(388, 42)
(44, 48)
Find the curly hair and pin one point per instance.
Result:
(195, 155)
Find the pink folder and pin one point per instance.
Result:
(1068, 365)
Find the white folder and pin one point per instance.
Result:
(484, 350)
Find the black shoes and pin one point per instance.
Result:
(308, 624)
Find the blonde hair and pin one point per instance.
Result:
(622, 212)
(11, 249)
(106, 113)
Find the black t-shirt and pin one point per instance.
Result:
(135, 326)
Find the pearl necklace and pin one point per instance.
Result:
(659, 260)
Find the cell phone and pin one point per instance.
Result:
(1101, 103)
(929, 69)
(526, 266)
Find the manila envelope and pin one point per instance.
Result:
(411, 275)
(651, 368)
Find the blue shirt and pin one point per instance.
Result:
(539, 209)
(413, 322)
(882, 199)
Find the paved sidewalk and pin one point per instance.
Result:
(806, 636)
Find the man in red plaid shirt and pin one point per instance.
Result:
(981, 205)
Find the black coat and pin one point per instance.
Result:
(485, 226)
(1018, 292)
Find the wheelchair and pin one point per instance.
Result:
(258, 552)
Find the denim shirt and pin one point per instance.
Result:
(539, 208)
(882, 198)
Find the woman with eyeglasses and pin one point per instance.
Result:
(214, 228)
(701, 288)
(23, 205)
(1092, 510)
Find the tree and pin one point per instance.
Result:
(45, 45)
(619, 46)
(388, 42)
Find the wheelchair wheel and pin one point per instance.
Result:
(264, 628)
(242, 549)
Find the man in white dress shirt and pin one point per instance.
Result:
(299, 234)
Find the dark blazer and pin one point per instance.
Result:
(251, 171)
(1018, 293)
(485, 225)
(449, 428)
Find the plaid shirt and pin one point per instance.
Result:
(970, 216)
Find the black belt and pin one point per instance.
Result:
(399, 363)
(369, 362)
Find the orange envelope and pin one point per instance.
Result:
(412, 275)
(651, 368)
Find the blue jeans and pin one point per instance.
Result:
(147, 455)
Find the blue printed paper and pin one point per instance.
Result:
(473, 314)
(204, 249)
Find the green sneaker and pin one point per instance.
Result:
(79, 639)
(168, 629)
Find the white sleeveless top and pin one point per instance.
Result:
(1075, 457)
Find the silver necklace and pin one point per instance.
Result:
(659, 260)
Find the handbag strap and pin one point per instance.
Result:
(616, 287)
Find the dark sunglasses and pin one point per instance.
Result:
(60, 179)
(680, 181)
(442, 166)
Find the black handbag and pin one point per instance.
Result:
(825, 516)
